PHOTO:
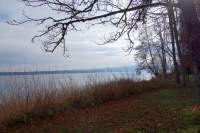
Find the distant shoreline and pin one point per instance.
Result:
(119, 69)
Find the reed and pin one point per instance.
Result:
(39, 98)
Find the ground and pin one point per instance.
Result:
(163, 111)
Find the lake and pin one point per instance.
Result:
(77, 80)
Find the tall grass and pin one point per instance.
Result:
(36, 97)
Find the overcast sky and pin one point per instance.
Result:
(18, 52)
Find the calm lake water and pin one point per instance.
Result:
(58, 80)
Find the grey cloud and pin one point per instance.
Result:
(16, 47)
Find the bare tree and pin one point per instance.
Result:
(152, 54)
(126, 16)
(190, 12)
(146, 54)
(161, 30)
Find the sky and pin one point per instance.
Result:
(17, 52)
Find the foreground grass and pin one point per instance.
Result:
(169, 110)
(33, 100)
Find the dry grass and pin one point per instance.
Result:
(35, 99)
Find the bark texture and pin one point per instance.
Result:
(190, 19)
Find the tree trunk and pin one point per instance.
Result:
(198, 78)
(191, 20)
(163, 57)
(182, 69)
(170, 11)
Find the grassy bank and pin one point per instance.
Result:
(155, 106)
(34, 100)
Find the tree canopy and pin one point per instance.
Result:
(126, 16)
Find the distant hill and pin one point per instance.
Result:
(97, 70)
